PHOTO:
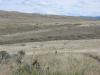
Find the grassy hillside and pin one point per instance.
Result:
(78, 57)
(34, 44)
(18, 27)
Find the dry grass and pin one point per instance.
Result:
(21, 27)
(53, 45)
(62, 64)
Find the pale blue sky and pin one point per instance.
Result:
(58, 7)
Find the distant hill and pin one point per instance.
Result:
(20, 15)
(90, 18)
(98, 17)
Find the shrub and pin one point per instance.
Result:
(21, 53)
(4, 56)
(77, 24)
(20, 56)
(23, 44)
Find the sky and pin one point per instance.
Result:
(55, 7)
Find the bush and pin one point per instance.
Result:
(77, 24)
(21, 53)
(23, 44)
(4, 56)
(20, 56)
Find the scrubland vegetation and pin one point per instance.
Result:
(52, 64)
(33, 44)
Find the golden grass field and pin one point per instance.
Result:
(53, 45)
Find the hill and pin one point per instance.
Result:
(18, 27)
(60, 45)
